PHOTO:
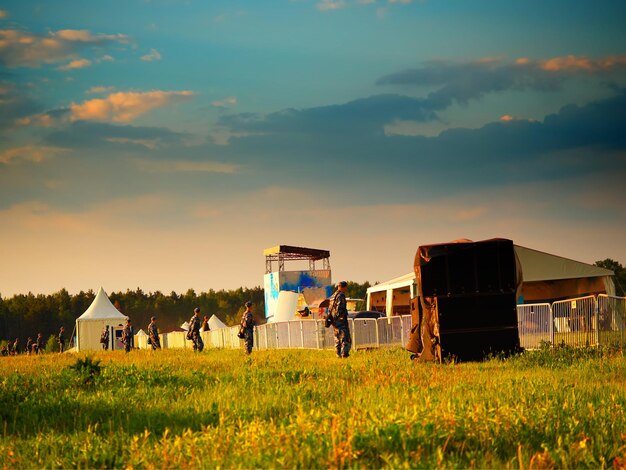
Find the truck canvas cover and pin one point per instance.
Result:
(467, 303)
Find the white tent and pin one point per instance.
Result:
(215, 323)
(100, 314)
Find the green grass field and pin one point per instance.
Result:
(307, 409)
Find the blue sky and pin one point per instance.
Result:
(164, 144)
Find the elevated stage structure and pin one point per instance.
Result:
(289, 291)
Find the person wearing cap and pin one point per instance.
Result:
(61, 339)
(104, 338)
(205, 324)
(153, 334)
(338, 311)
(127, 335)
(39, 345)
(247, 325)
(194, 328)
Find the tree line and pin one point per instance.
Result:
(25, 315)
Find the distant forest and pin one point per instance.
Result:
(22, 315)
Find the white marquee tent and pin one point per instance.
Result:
(101, 313)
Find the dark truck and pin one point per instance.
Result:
(466, 307)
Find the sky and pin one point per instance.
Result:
(163, 144)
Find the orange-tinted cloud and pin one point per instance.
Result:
(126, 106)
(31, 153)
(578, 63)
(75, 64)
(25, 49)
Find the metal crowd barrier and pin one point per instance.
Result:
(535, 325)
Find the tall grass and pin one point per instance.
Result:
(307, 409)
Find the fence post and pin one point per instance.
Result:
(289, 334)
(377, 334)
(552, 326)
(317, 334)
(596, 312)
(301, 335)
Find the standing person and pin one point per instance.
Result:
(153, 334)
(247, 325)
(29, 345)
(39, 346)
(194, 329)
(16, 347)
(104, 338)
(205, 324)
(338, 313)
(9, 347)
(61, 339)
(127, 335)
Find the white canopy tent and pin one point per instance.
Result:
(100, 314)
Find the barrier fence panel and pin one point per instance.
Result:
(407, 323)
(575, 322)
(365, 333)
(295, 333)
(611, 319)
(390, 331)
(535, 325)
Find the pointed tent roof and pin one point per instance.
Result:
(215, 323)
(540, 266)
(102, 309)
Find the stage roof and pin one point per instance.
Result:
(287, 252)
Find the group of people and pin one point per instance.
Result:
(337, 317)
(33, 346)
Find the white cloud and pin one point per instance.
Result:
(185, 166)
(225, 103)
(126, 106)
(328, 5)
(152, 56)
(75, 64)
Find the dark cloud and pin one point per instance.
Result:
(577, 140)
(83, 134)
(471, 80)
(359, 116)
(15, 104)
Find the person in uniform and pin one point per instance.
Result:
(338, 312)
(205, 324)
(61, 339)
(127, 335)
(247, 325)
(153, 334)
(39, 346)
(194, 328)
(104, 338)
